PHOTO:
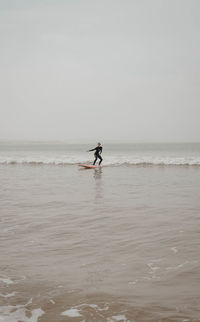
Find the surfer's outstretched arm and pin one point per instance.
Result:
(91, 150)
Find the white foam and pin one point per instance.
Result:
(18, 313)
(174, 249)
(72, 313)
(52, 301)
(176, 267)
(133, 282)
(93, 306)
(8, 295)
(6, 280)
(35, 315)
(117, 318)
(116, 160)
(75, 311)
(153, 268)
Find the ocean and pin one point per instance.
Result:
(115, 243)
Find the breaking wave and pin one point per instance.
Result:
(108, 161)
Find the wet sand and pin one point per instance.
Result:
(111, 244)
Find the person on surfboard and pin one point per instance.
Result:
(98, 151)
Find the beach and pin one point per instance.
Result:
(116, 243)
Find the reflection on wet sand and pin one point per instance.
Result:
(98, 184)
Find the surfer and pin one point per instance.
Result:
(98, 151)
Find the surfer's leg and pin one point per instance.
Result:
(100, 159)
(95, 159)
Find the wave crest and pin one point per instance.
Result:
(109, 161)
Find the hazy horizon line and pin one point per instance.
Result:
(93, 142)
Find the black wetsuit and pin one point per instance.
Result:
(98, 151)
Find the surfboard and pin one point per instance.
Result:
(88, 166)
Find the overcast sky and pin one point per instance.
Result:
(109, 70)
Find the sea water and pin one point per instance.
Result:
(114, 154)
(116, 243)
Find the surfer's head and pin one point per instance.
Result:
(99, 144)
